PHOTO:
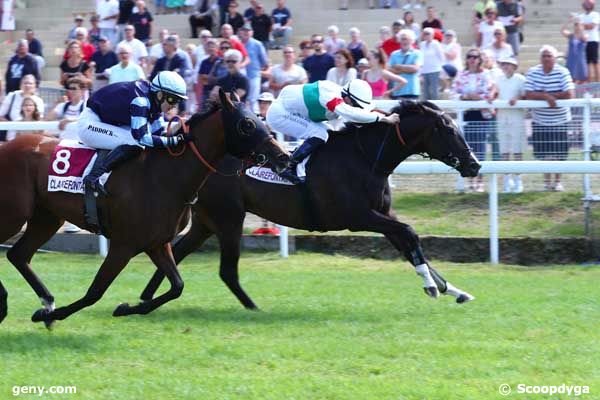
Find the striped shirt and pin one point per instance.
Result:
(558, 80)
(128, 104)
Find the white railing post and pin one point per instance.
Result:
(283, 230)
(493, 199)
(586, 128)
(460, 119)
(102, 245)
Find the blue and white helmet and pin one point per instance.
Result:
(169, 82)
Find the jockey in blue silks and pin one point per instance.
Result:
(125, 117)
(300, 112)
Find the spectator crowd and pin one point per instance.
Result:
(412, 60)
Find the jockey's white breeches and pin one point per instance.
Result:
(294, 124)
(100, 135)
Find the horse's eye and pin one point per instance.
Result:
(246, 126)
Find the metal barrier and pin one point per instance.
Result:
(585, 123)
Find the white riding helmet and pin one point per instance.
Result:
(360, 93)
(169, 82)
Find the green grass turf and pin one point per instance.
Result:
(330, 328)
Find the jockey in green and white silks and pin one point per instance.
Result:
(300, 112)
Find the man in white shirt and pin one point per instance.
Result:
(126, 70)
(138, 48)
(590, 20)
(108, 12)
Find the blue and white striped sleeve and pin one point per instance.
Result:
(141, 130)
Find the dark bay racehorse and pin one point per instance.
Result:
(347, 184)
(149, 200)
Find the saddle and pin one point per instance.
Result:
(71, 161)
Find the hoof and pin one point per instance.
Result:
(41, 315)
(122, 310)
(432, 291)
(49, 324)
(464, 298)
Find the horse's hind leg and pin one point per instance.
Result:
(414, 254)
(228, 270)
(8, 229)
(191, 241)
(39, 230)
(116, 259)
(162, 257)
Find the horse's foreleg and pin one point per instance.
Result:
(191, 241)
(406, 240)
(113, 264)
(228, 270)
(162, 257)
(39, 230)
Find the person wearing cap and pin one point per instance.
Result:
(393, 43)
(125, 117)
(511, 122)
(102, 59)
(301, 110)
(78, 23)
(264, 103)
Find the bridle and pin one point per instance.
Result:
(246, 162)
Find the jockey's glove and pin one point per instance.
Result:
(174, 141)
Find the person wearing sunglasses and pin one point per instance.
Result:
(125, 117)
(301, 110)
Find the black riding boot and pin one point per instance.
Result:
(305, 149)
(116, 157)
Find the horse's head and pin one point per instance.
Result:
(247, 136)
(442, 138)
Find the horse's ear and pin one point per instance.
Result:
(225, 101)
(233, 95)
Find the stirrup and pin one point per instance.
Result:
(291, 176)
(95, 187)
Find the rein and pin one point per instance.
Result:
(382, 145)
(245, 164)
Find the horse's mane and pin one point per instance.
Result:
(211, 108)
(412, 107)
